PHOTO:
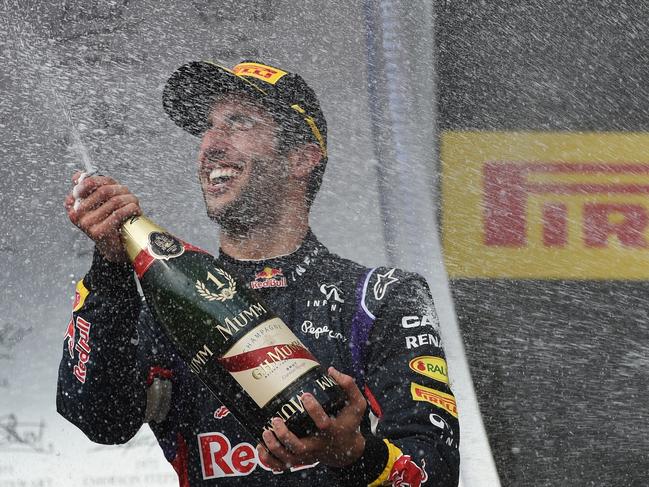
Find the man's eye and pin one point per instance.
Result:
(242, 124)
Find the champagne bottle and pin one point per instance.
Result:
(228, 337)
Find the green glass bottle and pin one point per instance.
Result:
(228, 337)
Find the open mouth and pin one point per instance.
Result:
(221, 178)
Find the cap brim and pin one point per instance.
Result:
(191, 90)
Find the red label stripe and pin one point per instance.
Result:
(272, 354)
(142, 262)
(191, 248)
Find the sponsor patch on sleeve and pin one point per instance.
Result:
(429, 366)
(80, 295)
(437, 398)
(400, 470)
(406, 473)
(379, 283)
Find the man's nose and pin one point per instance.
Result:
(215, 138)
(212, 154)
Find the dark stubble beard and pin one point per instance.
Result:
(258, 202)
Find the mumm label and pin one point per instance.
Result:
(233, 325)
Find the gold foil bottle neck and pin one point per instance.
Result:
(135, 235)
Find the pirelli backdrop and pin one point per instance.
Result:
(544, 153)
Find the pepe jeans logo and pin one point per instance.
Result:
(225, 290)
(320, 331)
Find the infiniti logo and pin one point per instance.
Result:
(331, 292)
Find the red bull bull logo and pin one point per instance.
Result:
(69, 336)
(269, 277)
(406, 473)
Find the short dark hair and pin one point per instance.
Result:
(293, 133)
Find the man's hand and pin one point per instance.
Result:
(337, 443)
(105, 205)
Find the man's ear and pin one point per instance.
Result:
(304, 159)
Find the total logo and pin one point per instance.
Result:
(269, 277)
(433, 367)
(219, 458)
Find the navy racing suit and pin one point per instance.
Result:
(119, 370)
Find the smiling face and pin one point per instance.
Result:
(243, 175)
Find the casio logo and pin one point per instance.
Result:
(416, 321)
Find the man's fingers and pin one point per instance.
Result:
(76, 176)
(111, 223)
(277, 449)
(89, 185)
(356, 400)
(287, 438)
(269, 460)
(101, 195)
(68, 202)
(318, 415)
(105, 212)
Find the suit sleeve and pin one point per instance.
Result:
(101, 384)
(414, 419)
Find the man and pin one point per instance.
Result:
(262, 132)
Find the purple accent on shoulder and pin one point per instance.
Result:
(362, 323)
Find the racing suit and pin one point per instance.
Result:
(379, 325)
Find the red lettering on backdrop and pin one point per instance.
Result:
(507, 186)
(505, 203)
(598, 224)
(555, 224)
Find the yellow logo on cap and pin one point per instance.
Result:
(314, 128)
(259, 71)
